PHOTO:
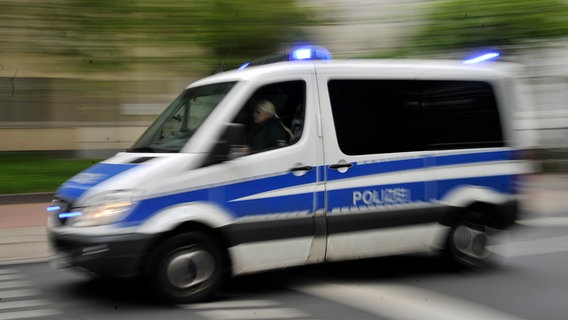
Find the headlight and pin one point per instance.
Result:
(103, 209)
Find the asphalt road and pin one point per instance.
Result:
(528, 281)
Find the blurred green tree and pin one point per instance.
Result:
(236, 31)
(230, 31)
(466, 24)
(93, 33)
(107, 35)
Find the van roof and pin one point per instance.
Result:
(451, 69)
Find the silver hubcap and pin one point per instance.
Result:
(190, 268)
(470, 241)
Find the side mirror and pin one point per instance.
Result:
(232, 139)
(235, 134)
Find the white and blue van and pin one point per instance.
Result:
(384, 157)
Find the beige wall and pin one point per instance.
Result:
(83, 138)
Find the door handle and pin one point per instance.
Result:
(302, 168)
(338, 166)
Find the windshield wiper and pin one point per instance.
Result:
(142, 150)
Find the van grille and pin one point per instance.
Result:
(64, 208)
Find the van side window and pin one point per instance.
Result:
(460, 114)
(385, 116)
(284, 104)
(375, 116)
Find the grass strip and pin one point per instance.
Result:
(23, 172)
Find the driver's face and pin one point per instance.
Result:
(260, 116)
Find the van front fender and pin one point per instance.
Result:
(169, 218)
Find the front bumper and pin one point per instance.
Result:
(112, 255)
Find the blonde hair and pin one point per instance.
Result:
(267, 107)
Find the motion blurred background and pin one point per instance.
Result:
(86, 77)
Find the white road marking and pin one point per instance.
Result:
(402, 302)
(545, 222)
(245, 310)
(19, 293)
(15, 284)
(231, 304)
(531, 247)
(8, 271)
(15, 276)
(33, 314)
(250, 314)
(23, 304)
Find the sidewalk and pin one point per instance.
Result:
(23, 235)
(545, 195)
(23, 225)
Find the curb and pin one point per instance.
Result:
(17, 261)
(20, 198)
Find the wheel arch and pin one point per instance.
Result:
(220, 239)
(205, 218)
(497, 210)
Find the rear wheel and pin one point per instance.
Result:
(188, 267)
(468, 242)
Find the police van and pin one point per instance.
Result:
(382, 158)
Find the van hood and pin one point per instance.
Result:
(121, 172)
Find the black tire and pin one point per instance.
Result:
(467, 244)
(187, 267)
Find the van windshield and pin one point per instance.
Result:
(181, 119)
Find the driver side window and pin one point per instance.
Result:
(273, 117)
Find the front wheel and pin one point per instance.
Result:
(467, 244)
(188, 267)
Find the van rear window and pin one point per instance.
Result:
(384, 116)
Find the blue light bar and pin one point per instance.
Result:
(481, 58)
(310, 53)
(70, 214)
(53, 208)
(244, 66)
(303, 53)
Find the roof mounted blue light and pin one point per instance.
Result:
(303, 53)
(310, 53)
(244, 66)
(483, 57)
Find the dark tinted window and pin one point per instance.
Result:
(459, 115)
(383, 116)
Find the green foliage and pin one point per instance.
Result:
(236, 31)
(466, 24)
(107, 35)
(22, 172)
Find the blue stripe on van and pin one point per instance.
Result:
(377, 196)
(223, 195)
(457, 159)
(370, 168)
(421, 161)
(74, 188)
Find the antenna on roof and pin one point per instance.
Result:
(222, 66)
